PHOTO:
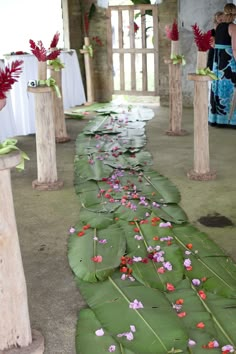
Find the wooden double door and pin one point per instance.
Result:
(133, 49)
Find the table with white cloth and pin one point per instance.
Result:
(23, 102)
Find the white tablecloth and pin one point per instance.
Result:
(23, 101)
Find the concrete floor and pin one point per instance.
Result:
(43, 218)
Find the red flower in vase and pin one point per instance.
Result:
(9, 76)
(202, 39)
(41, 53)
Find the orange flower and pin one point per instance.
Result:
(200, 325)
(179, 302)
(189, 246)
(155, 238)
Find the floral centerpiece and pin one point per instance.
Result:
(8, 76)
(203, 43)
(43, 55)
(172, 33)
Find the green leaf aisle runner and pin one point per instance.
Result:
(153, 282)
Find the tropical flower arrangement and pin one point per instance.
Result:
(50, 56)
(172, 33)
(203, 42)
(8, 76)
(153, 282)
(95, 40)
(202, 39)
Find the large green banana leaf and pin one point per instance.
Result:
(147, 273)
(87, 342)
(90, 201)
(218, 315)
(96, 220)
(172, 213)
(82, 249)
(104, 125)
(87, 168)
(158, 328)
(129, 161)
(208, 261)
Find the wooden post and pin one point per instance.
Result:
(15, 332)
(45, 140)
(201, 60)
(175, 94)
(42, 70)
(88, 72)
(59, 116)
(201, 170)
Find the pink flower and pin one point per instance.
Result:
(136, 305)
(99, 332)
(112, 348)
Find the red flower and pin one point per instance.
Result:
(80, 233)
(170, 287)
(202, 294)
(155, 238)
(86, 227)
(9, 76)
(136, 229)
(202, 40)
(200, 325)
(41, 53)
(182, 314)
(55, 40)
(97, 259)
(173, 32)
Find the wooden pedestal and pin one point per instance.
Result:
(59, 116)
(201, 170)
(15, 332)
(88, 73)
(45, 140)
(175, 100)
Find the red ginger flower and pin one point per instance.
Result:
(41, 53)
(172, 33)
(9, 76)
(202, 39)
(55, 40)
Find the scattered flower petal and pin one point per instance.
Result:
(97, 259)
(99, 332)
(191, 342)
(136, 305)
(112, 348)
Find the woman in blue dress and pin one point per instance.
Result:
(224, 67)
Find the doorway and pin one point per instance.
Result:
(133, 49)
